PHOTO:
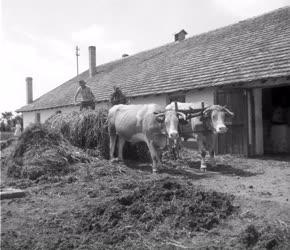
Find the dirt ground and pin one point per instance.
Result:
(94, 207)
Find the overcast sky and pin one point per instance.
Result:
(38, 37)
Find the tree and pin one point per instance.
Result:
(7, 115)
(8, 121)
(16, 118)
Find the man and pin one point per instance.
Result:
(88, 98)
(117, 97)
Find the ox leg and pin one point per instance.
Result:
(202, 149)
(113, 139)
(178, 146)
(120, 148)
(202, 163)
(212, 159)
(155, 156)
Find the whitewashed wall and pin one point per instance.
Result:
(28, 118)
(158, 99)
(204, 95)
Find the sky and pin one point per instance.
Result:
(38, 37)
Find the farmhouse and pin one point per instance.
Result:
(245, 66)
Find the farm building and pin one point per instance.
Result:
(245, 66)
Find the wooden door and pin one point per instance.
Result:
(235, 141)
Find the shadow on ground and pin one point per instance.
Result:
(285, 157)
(190, 173)
(224, 169)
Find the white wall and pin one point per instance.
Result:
(158, 99)
(30, 117)
(204, 95)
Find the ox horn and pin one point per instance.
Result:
(207, 111)
(183, 116)
(228, 111)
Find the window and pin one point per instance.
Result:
(176, 98)
(37, 118)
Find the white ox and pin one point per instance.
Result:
(205, 127)
(149, 123)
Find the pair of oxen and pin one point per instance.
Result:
(153, 125)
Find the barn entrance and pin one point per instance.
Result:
(276, 120)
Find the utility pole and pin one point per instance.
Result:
(77, 55)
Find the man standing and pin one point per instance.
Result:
(88, 98)
(117, 97)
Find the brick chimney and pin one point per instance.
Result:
(92, 60)
(180, 36)
(29, 90)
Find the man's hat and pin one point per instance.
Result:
(82, 82)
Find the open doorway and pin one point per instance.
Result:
(276, 120)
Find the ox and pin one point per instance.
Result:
(149, 123)
(206, 127)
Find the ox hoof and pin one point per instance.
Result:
(115, 160)
(155, 171)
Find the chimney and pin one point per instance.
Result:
(29, 90)
(180, 36)
(92, 60)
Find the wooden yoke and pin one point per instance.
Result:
(176, 106)
(202, 109)
(202, 116)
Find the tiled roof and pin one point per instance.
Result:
(253, 49)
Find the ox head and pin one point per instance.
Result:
(170, 118)
(215, 118)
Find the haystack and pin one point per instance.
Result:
(86, 129)
(42, 151)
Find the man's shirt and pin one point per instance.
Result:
(86, 93)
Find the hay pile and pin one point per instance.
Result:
(41, 151)
(265, 236)
(86, 129)
(161, 209)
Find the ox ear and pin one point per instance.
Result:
(160, 117)
(227, 111)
